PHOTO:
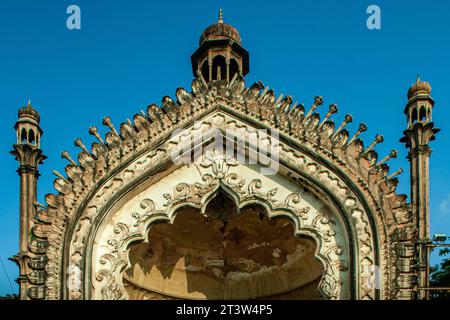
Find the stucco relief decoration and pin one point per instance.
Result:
(310, 153)
(319, 227)
(329, 182)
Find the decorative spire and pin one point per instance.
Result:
(79, 143)
(59, 175)
(392, 155)
(396, 173)
(107, 122)
(419, 87)
(66, 155)
(378, 139)
(362, 128)
(94, 131)
(318, 101)
(216, 42)
(220, 16)
(29, 111)
(348, 119)
(332, 110)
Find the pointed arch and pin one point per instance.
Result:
(31, 136)
(378, 224)
(219, 68)
(23, 136)
(331, 252)
(422, 114)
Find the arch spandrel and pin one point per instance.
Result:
(313, 153)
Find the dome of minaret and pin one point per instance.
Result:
(419, 87)
(29, 112)
(220, 30)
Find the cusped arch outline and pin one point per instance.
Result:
(357, 221)
(197, 195)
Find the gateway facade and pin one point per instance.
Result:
(129, 220)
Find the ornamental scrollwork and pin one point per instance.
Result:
(315, 224)
(149, 207)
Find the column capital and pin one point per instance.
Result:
(28, 156)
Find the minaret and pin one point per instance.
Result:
(220, 55)
(420, 131)
(29, 155)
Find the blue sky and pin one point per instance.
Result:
(129, 54)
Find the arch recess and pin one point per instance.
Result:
(349, 213)
(203, 180)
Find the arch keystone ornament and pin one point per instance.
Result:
(332, 190)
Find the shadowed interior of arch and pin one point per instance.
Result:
(224, 255)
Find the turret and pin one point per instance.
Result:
(220, 55)
(29, 155)
(417, 136)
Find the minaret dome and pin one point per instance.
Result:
(420, 104)
(220, 55)
(27, 126)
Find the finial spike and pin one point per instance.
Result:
(220, 16)
(418, 78)
(29, 103)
